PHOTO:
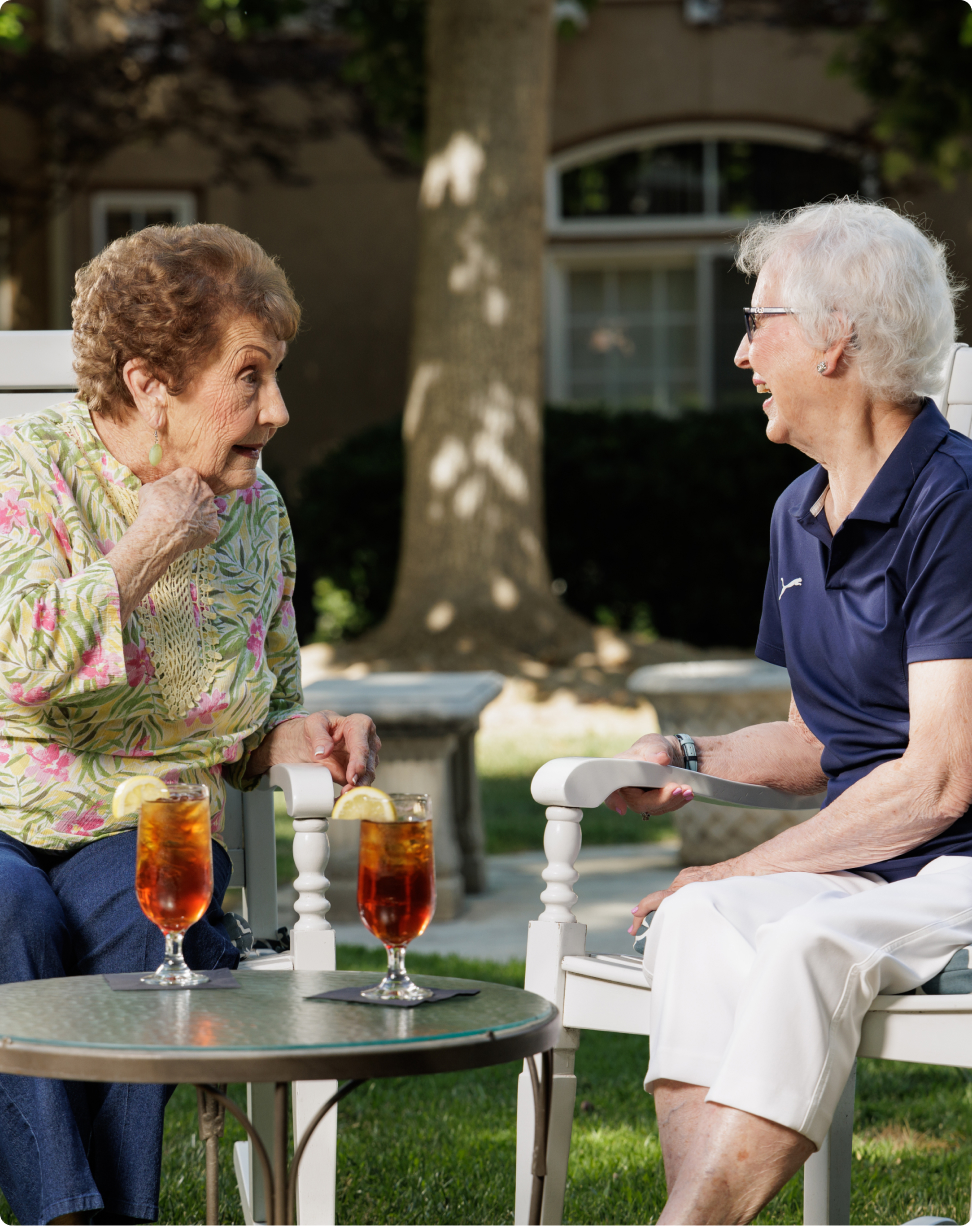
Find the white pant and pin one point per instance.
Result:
(760, 984)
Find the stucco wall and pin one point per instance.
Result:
(348, 241)
(639, 62)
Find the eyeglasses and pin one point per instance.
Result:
(753, 313)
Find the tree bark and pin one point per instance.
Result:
(473, 579)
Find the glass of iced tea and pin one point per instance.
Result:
(174, 874)
(396, 888)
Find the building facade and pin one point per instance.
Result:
(670, 129)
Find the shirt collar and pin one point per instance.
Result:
(894, 480)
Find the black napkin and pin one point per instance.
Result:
(354, 996)
(131, 981)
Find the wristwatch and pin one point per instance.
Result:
(689, 752)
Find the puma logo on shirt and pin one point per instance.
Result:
(792, 583)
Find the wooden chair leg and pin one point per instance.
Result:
(827, 1174)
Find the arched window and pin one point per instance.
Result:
(644, 304)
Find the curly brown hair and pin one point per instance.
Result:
(164, 294)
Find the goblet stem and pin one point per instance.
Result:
(396, 965)
(396, 985)
(173, 960)
(174, 972)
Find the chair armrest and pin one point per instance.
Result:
(308, 790)
(583, 783)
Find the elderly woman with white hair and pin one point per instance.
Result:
(763, 967)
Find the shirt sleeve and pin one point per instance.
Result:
(283, 658)
(60, 628)
(769, 643)
(938, 601)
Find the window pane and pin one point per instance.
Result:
(733, 387)
(680, 284)
(634, 291)
(119, 223)
(663, 180)
(632, 338)
(759, 178)
(586, 291)
(160, 217)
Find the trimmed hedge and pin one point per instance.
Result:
(649, 520)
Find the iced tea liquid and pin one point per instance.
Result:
(174, 865)
(396, 879)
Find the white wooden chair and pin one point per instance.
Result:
(608, 992)
(36, 371)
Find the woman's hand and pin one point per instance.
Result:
(179, 512)
(347, 745)
(648, 801)
(706, 872)
(175, 514)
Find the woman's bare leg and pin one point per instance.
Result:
(678, 1107)
(735, 1163)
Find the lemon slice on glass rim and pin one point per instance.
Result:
(128, 797)
(371, 804)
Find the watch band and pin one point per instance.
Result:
(689, 752)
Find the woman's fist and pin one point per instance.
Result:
(178, 511)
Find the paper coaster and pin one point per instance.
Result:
(354, 997)
(131, 981)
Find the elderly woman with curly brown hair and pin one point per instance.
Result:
(146, 574)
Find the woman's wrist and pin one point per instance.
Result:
(675, 751)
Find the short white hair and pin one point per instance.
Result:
(857, 267)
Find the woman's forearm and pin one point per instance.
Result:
(895, 808)
(778, 755)
(138, 560)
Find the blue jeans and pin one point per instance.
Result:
(73, 1146)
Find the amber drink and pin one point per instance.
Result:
(174, 874)
(396, 888)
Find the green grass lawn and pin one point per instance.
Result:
(441, 1149)
(508, 759)
(515, 822)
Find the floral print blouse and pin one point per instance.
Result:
(80, 703)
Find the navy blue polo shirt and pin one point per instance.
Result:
(847, 613)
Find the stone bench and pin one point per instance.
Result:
(427, 723)
(710, 698)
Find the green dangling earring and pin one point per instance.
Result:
(155, 452)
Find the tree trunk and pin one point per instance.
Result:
(473, 580)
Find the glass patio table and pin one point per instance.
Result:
(78, 1029)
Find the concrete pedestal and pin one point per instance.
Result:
(427, 723)
(709, 698)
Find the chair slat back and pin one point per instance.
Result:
(36, 370)
(958, 398)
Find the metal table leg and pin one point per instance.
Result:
(542, 1088)
(280, 1185)
(212, 1117)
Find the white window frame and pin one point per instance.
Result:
(707, 223)
(560, 261)
(639, 242)
(182, 204)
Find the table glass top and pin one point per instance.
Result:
(268, 1012)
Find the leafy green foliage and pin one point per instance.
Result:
(608, 476)
(386, 67)
(15, 20)
(914, 61)
(347, 526)
(338, 613)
